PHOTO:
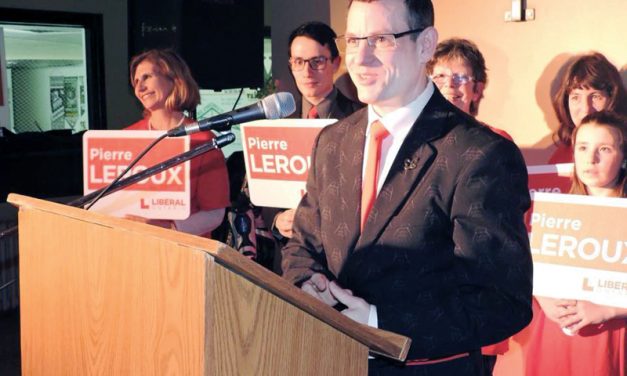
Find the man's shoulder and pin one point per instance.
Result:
(478, 145)
(461, 132)
(349, 122)
(345, 105)
(472, 131)
(344, 134)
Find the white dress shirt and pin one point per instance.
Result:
(398, 123)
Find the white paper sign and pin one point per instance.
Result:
(579, 247)
(165, 195)
(277, 154)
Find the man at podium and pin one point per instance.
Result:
(413, 217)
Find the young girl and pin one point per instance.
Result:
(574, 337)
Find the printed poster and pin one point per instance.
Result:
(579, 247)
(165, 195)
(277, 154)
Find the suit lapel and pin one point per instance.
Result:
(410, 165)
(349, 177)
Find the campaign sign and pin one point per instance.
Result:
(555, 178)
(277, 154)
(165, 195)
(579, 247)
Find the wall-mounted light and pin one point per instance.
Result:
(519, 12)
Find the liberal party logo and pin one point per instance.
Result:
(143, 204)
(586, 285)
(160, 203)
(613, 286)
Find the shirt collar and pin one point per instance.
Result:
(324, 107)
(402, 119)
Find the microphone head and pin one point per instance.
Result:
(278, 105)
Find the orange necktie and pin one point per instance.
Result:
(371, 176)
(313, 113)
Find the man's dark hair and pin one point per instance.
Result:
(318, 31)
(419, 13)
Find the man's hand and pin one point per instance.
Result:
(358, 309)
(331, 293)
(318, 287)
(284, 221)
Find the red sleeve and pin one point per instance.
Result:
(209, 177)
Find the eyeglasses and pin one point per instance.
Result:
(456, 78)
(381, 42)
(315, 63)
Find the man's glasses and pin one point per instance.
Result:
(456, 78)
(381, 42)
(315, 63)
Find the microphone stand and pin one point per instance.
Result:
(216, 143)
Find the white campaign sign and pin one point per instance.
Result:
(277, 154)
(579, 247)
(165, 195)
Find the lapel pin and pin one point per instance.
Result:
(410, 164)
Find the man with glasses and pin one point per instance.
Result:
(413, 216)
(313, 61)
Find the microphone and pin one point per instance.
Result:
(275, 106)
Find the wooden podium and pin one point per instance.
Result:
(108, 296)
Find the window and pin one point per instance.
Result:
(51, 71)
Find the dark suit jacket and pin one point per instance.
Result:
(340, 108)
(444, 254)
